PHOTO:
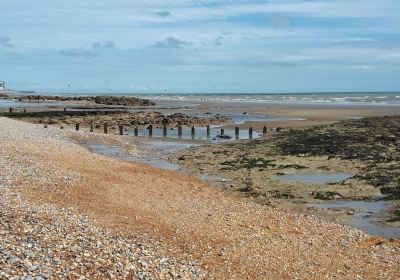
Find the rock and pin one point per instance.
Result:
(224, 136)
(104, 100)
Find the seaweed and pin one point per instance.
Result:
(325, 195)
(396, 217)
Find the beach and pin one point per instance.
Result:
(171, 223)
(158, 140)
(192, 207)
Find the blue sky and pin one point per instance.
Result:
(200, 46)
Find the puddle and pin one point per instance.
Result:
(314, 178)
(154, 153)
(110, 151)
(353, 118)
(365, 217)
(213, 179)
(240, 118)
(117, 152)
(158, 163)
(168, 147)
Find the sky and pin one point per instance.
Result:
(204, 46)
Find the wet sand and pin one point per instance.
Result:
(313, 114)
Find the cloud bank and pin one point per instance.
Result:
(234, 44)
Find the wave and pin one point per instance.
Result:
(389, 99)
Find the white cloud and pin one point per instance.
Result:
(135, 23)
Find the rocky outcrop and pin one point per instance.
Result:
(115, 118)
(374, 141)
(103, 100)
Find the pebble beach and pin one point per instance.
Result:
(66, 213)
(40, 241)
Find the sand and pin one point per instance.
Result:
(313, 114)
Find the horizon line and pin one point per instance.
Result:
(204, 93)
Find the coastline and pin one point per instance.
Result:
(190, 218)
(125, 198)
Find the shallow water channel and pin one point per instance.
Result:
(7, 103)
(155, 159)
(366, 215)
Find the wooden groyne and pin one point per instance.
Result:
(163, 131)
(120, 127)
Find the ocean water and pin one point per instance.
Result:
(369, 99)
(188, 99)
(6, 103)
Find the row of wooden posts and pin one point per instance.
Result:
(165, 130)
(11, 110)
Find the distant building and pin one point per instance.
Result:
(2, 86)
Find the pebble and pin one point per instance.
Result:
(34, 236)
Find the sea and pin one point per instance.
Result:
(368, 99)
(373, 99)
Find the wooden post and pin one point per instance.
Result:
(180, 131)
(150, 128)
(222, 132)
(164, 130)
(193, 132)
(91, 127)
(105, 128)
(251, 133)
(24, 110)
(136, 131)
(77, 126)
(264, 130)
(65, 109)
(237, 132)
(121, 130)
(208, 131)
(11, 109)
